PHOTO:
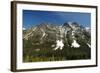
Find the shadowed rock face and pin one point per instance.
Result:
(69, 34)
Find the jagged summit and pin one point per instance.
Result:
(69, 34)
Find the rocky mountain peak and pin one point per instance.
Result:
(70, 33)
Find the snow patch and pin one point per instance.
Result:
(43, 34)
(73, 33)
(34, 29)
(89, 45)
(70, 24)
(75, 44)
(59, 44)
(24, 28)
(87, 28)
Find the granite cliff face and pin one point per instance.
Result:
(69, 34)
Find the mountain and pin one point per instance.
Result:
(68, 32)
(51, 37)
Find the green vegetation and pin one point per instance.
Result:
(39, 52)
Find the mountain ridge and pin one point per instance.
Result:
(47, 31)
(50, 42)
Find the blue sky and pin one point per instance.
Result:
(32, 17)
